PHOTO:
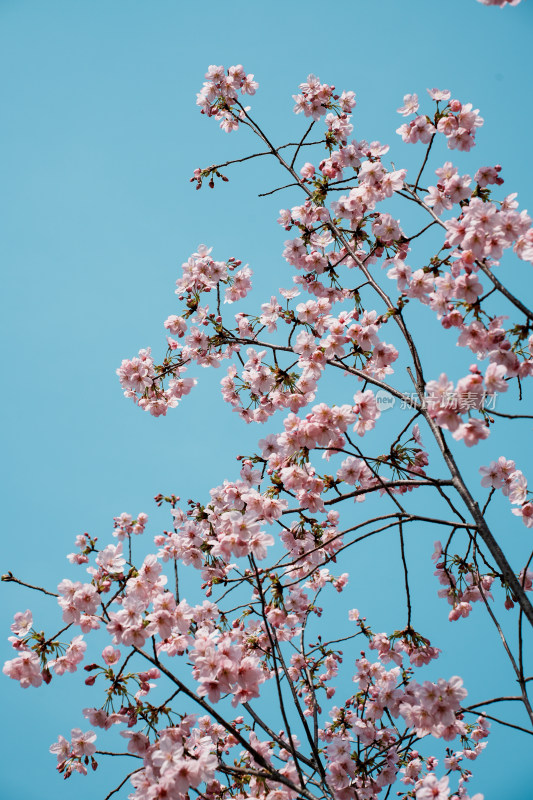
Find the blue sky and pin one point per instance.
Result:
(100, 135)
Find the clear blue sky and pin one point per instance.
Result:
(100, 134)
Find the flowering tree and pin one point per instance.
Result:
(258, 699)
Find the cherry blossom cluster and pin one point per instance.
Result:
(316, 99)
(74, 755)
(502, 474)
(430, 708)
(433, 788)
(464, 583)
(453, 188)
(500, 3)
(457, 121)
(125, 525)
(25, 669)
(485, 231)
(470, 586)
(180, 760)
(143, 381)
(446, 404)
(219, 95)
(152, 398)
(85, 546)
(33, 664)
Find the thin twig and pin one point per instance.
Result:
(119, 787)
(501, 721)
(406, 575)
(10, 578)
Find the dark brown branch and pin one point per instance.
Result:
(406, 575)
(10, 578)
(424, 162)
(302, 140)
(119, 787)
(507, 416)
(493, 700)
(370, 489)
(279, 188)
(500, 721)
(282, 743)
